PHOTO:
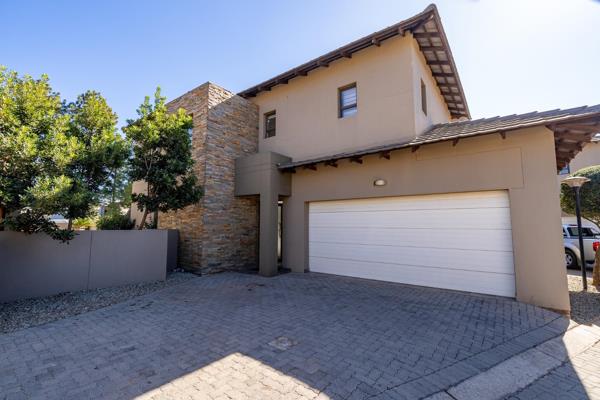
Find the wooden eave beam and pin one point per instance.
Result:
(438, 62)
(443, 74)
(455, 141)
(385, 154)
(576, 137)
(331, 163)
(433, 48)
(426, 34)
(414, 148)
(580, 127)
(310, 166)
(356, 159)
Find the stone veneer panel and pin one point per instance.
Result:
(220, 232)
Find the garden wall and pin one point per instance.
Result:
(36, 265)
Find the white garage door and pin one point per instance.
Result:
(458, 241)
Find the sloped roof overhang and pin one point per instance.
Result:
(572, 128)
(426, 27)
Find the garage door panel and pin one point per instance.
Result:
(455, 241)
(495, 218)
(427, 257)
(487, 283)
(491, 199)
(457, 238)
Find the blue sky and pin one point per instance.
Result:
(512, 55)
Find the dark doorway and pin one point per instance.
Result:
(279, 231)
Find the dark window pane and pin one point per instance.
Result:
(270, 124)
(423, 97)
(348, 101)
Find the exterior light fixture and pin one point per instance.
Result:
(379, 182)
(575, 182)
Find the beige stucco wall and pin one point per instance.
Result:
(523, 163)
(437, 111)
(388, 91)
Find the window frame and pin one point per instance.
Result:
(267, 115)
(191, 130)
(423, 97)
(341, 107)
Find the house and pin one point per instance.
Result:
(364, 162)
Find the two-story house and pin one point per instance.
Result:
(364, 162)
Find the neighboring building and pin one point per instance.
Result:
(363, 162)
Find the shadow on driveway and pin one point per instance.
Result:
(292, 336)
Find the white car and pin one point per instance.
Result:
(591, 242)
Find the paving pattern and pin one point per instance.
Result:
(295, 336)
(578, 378)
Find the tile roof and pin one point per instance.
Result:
(453, 130)
(483, 126)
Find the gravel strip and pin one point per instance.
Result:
(585, 306)
(26, 313)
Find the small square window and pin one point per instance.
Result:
(270, 124)
(565, 171)
(347, 101)
(423, 97)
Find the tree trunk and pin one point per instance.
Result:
(596, 273)
(2, 213)
(70, 224)
(143, 221)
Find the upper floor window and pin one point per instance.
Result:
(191, 128)
(423, 97)
(347, 100)
(270, 124)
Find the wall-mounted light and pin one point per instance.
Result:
(379, 182)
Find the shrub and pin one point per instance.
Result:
(115, 222)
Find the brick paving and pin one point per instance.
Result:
(295, 336)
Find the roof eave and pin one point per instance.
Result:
(375, 39)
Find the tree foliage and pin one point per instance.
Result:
(54, 157)
(589, 195)
(162, 158)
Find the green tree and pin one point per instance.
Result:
(33, 148)
(54, 157)
(101, 156)
(162, 158)
(590, 204)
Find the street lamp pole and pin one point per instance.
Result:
(575, 182)
(579, 229)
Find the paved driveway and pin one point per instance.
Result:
(293, 336)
